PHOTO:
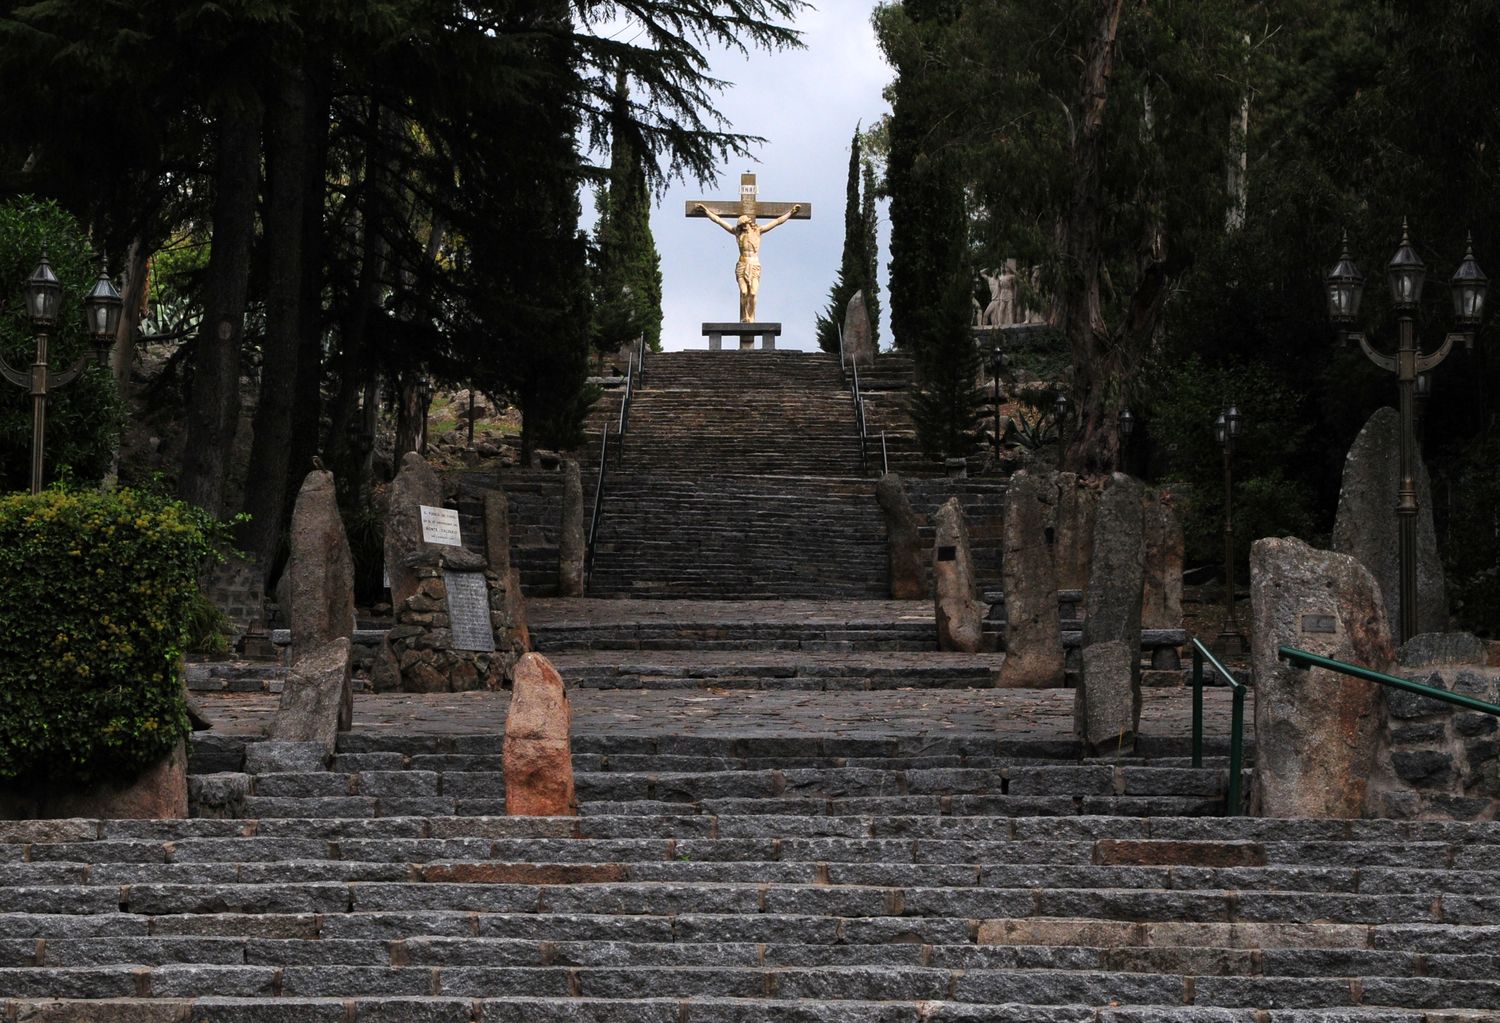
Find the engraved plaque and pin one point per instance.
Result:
(1320, 623)
(469, 611)
(440, 525)
(947, 554)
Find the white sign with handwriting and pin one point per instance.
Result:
(440, 525)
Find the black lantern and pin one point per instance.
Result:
(1060, 405)
(1423, 386)
(43, 295)
(102, 307)
(997, 362)
(1405, 274)
(424, 389)
(1127, 422)
(1233, 419)
(1346, 286)
(1221, 429)
(1468, 288)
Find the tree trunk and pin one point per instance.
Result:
(1093, 445)
(286, 171)
(214, 402)
(409, 415)
(307, 409)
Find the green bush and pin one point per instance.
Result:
(96, 591)
(83, 418)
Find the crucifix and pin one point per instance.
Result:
(747, 231)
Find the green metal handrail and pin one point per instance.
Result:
(1305, 659)
(1236, 722)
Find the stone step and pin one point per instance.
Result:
(698, 1009)
(787, 984)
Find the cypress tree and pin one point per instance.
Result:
(628, 300)
(854, 265)
(871, 280)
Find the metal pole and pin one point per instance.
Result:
(1230, 639)
(997, 414)
(1236, 752)
(1197, 707)
(38, 412)
(1406, 501)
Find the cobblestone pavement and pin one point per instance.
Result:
(1038, 715)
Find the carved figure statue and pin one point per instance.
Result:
(747, 269)
(1001, 312)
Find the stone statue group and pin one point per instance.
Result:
(1005, 309)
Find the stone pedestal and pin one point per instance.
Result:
(746, 332)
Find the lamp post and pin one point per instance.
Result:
(1405, 275)
(101, 306)
(1226, 431)
(1060, 410)
(1127, 428)
(997, 364)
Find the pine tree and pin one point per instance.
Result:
(853, 267)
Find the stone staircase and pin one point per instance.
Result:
(900, 879)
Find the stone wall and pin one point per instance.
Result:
(1437, 760)
(422, 641)
(237, 588)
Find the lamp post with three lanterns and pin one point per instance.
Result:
(1405, 275)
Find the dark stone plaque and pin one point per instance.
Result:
(947, 554)
(469, 611)
(1320, 623)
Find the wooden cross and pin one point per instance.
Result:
(749, 205)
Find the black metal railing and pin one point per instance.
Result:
(1235, 802)
(635, 371)
(1304, 660)
(859, 405)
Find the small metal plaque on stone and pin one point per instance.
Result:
(440, 525)
(1320, 623)
(947, 554)
(469, 611)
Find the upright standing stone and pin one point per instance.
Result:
(859, 342)
(497, 551)
(960, 615)
(1366, 524)
(1112, 614)
(317, 701)
(1316, 732)
(1033, 634)
(1073, 531)
(320, 571)
(415, 485)
(903, 543)
(1161, 602)
(572, 546)
(538, 756)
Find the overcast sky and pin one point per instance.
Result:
(805, 104)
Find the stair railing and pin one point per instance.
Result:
(588, 557)
(1201, 654)
(859, 405)
(885, 458)
(635, 370)
(1304, 660)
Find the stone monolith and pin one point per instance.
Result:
(1316, 732)
(538, 757)
(1033, 634)
(415, 485)
(1366, 524)
(903, 543)
(960, 615)
(320, 570)
(572, 542)
(317, 700)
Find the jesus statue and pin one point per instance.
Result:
(747, 235)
